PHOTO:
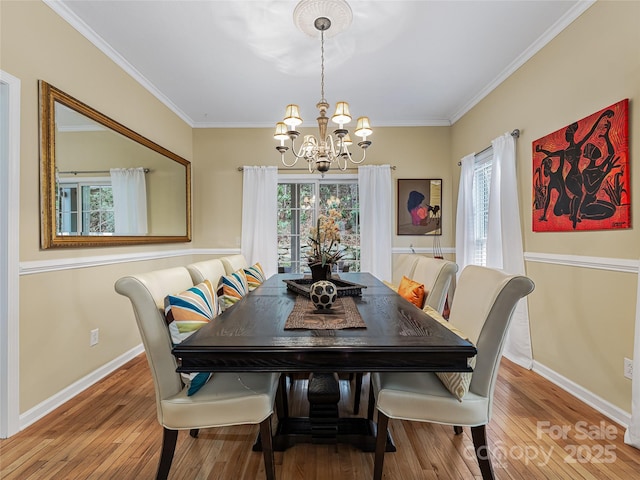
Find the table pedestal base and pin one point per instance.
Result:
(359, 432)
(324, 426)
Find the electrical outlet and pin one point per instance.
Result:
(628, 368)
(94, 337)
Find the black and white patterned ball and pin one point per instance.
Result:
(323, 294)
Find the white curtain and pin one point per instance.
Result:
(504, 241)
(129, 201)
(465, 238)
(632, 435)
(376, 220)
(259, 217)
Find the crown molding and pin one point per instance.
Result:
(77, 23)
(562, 23)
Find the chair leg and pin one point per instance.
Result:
(267, 448)
(194, 432)
(457, 429)
(381, 445)
(372, 402)
(169, 439)
(358, 392)
(479, 436)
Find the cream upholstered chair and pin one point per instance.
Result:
(436, 275)
(404, 265)
(233, 263)
(482, 308)
(226, 399)
(212, 270)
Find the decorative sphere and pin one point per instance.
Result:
(323, 294)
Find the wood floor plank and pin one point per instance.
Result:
(110, 432)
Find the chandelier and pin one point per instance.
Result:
(323, 151)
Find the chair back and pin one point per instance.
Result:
(212, 270)
(404, 265)
(147, 292)
(436, 275)
(233, 263)
(482, 308)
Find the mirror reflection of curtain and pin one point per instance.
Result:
(376, 220)
(259, 217)
(129, 201)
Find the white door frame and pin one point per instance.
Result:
(9, 254)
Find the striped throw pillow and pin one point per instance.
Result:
(234, 287)
(457, 383)
(255, 276)
(185, 313)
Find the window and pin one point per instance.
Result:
(300, 203)
(481, 186)
(84, 207)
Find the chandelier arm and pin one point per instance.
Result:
(300, 153)
(332, 147)
(284, 162)
(357, 162)
(345, 155)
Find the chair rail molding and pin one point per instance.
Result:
(599, 263)
(44, 266)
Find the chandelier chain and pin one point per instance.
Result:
(322, 99)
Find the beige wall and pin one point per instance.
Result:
(58, 309)
(581, 319)
(417, 152)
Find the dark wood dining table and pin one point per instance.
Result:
(251, 337)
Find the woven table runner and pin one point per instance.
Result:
(343, 314)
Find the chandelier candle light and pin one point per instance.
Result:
(322, 152)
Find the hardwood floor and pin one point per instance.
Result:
(110, 432)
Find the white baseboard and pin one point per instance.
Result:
(36, 413)
(606, 408)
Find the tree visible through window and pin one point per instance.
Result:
(299, 204)
(84, 208)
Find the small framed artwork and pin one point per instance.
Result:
(419, 206)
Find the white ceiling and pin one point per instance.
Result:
(239, 63)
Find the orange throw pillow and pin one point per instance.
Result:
(412, 291)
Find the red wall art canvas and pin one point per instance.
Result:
(581, 174)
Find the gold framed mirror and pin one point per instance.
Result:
(103, 184)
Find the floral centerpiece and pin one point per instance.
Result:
(324, 244)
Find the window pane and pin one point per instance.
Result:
(298, 207)
(481, 187)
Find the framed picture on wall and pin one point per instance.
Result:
(419, 206)
(581, 177)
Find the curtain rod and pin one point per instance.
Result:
(515, 134)
(240, 169)
(76, 172)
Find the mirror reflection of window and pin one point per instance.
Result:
(85, 207)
